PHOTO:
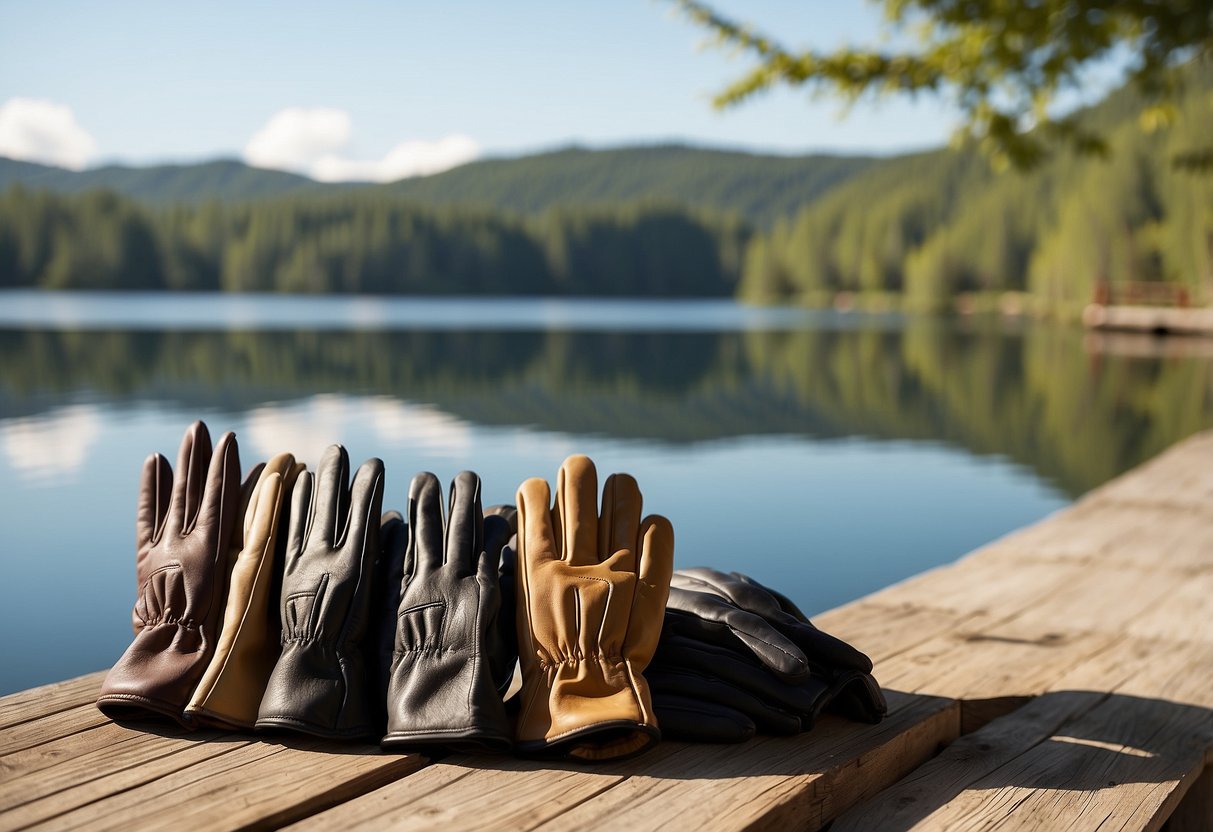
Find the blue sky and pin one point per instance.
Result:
(153, 81)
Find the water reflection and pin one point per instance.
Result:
(1075, 417)
(827, 461)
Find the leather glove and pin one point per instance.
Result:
(738, 657)
(450, 660)
(248, 647)
(591, 592)
(180, 569)
(508, 670)
(385, 604)
(319, 685)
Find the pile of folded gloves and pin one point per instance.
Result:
(289, 602)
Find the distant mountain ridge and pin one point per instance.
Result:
(758, 188)
(223, 179)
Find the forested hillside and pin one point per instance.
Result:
(362, 243)
(931, 226)
(221, 179)
(758, 188)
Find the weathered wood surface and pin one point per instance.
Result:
(1114, 662)
(1058, 678)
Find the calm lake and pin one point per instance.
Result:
(826, 454)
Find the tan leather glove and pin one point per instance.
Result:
(591, 597)
(230, 691)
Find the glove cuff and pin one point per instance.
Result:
(317, 690)
(445, 698)
(594, 708)
(156, 675)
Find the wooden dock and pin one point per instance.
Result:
(1157, 320)
(1058, 678)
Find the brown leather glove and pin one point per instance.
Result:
(591, 596)
(230, 691)
(180, 568)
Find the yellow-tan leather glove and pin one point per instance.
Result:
(230, 691)
(592, 590)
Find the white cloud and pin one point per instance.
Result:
(42, 131)
(311, 141)
(294, 138)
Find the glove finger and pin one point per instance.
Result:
(823, 649)
(707, 617)
(820, 647)
(741, 671)
(221, 493)
(301, 513)
(248, 500)
(155, 489)
(497, 533)
(389, 572)
(366, 506)
(689, 720)
(575, 519)
(652, 587)
(536, 539)
(192, 459)
(857, 696)
(619, 521)
(747, 594)
(425, 524)
(465, 526)
(261, 518)
(190, 466)
(507, 512)
(768, 717)
(785, 603)
(332, 498)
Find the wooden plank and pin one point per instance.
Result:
(1195, 812)
(977, 585)
(1020, 658)
(72, 761)
(1186, 615)
(59, 806)
(774, 783)
(1105, 533)
(1180, 476)
(1075, 757)
(59, 724)
(258, 784)
(883, 630)
(475, 793)
(43, 701)
(805, 778)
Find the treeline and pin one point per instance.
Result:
(362, 243)
(927, 228)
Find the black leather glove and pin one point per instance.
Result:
(450, 659)
(385, 604)
(319, 685)
(736, 657)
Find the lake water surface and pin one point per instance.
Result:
(827, 454)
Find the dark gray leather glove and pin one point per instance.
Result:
(319, 685)
(736, 657)
(450, 658)
(385, 604)
(181, 574)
